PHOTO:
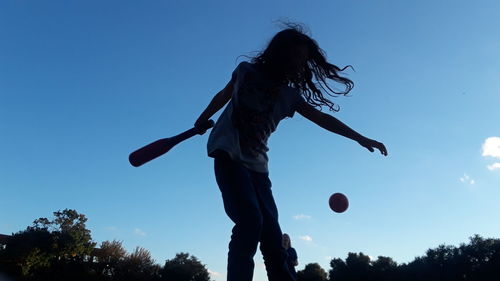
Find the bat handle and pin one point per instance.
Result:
(204, 127)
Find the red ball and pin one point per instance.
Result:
(338, 202)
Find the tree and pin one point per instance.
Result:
(140, 260)
(137, 266)
(184, 268)
(72, 238)
(338, 271)
(109, 257)
(384, 268)
(358, 266)
(480, 259)
(312, 272)
(111, 251)
(57, 245)
(29, 251)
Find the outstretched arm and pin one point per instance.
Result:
(218, 101)
(334, 125)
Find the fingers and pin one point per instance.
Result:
(198, 123)
(371, 144)
(382, 148)
(378, 145)
(201, 131)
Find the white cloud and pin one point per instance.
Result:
(493, 166)
(301, 217)
(138, 231)
(306, 238)
(328, 258)
(491, 147)
(214, 273)
(467, 179)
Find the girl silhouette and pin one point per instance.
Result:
(292, 260)
(279, 81)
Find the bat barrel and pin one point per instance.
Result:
(162, 146)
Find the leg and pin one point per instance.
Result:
(270, 241)
(242, 207)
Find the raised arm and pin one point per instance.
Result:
(218, 101)
(334, 125)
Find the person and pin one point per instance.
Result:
(292, 260)
(281, 80)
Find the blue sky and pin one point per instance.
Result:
(84, 83)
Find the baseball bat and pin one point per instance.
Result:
(162, 146)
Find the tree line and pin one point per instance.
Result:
(477, 260)
(62, 249)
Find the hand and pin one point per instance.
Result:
(199, 124)
(371, 144)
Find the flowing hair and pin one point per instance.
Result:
(273, 59)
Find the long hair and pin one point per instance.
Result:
(289, 240)
(274, 57)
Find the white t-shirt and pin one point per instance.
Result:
(252, 114)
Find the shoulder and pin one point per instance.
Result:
(243, 68)
(244, 65)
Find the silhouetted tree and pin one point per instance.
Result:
(183, 267)
(138, 266)
(62, 249)
(312, 272)
(29, 251)
(358, 266)
(479, 260)
(338, 271)
(74, 241)
(109, 256)
(384, 268)
(59, 245)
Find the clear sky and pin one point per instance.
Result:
(84, 83)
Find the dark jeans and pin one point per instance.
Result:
(249, 203)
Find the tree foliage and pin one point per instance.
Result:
(184, 268)
(48, 245)
(312, 272)
(61, 248)
(111, 252)
(479, 260)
